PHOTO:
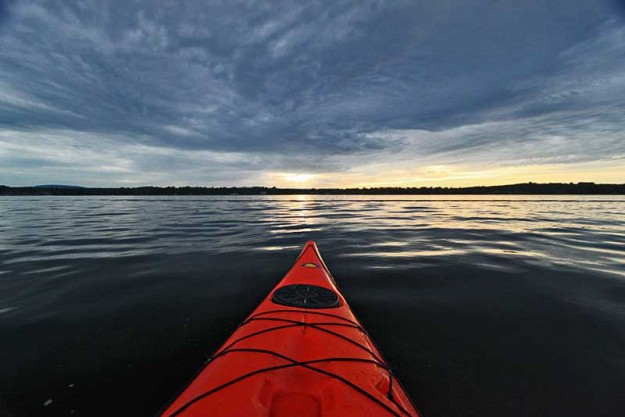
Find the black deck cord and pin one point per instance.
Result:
(293, 323)
(317, 313)
(272, 329)
(301, 323)
(294, 363)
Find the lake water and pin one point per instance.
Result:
(484, 305)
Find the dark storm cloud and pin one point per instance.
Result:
(253, 86)
(4, 9)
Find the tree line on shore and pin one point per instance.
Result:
(525, 188)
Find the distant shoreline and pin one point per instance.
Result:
(582, 188)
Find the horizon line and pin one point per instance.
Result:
(411, 187)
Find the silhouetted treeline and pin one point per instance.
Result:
(527, 188)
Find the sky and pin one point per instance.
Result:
(311, 93)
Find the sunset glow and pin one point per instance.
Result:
(298, 178)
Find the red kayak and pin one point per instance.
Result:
(301, 353)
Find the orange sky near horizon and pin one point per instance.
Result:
(605, 172)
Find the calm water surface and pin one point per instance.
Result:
(485, 306)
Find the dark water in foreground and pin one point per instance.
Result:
(508, 306)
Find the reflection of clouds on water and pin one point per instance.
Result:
(143, 287)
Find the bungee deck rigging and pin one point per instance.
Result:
(301, 353)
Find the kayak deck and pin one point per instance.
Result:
(301, 353)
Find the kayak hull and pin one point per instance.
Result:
(301, 353)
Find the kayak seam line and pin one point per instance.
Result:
(305, 364)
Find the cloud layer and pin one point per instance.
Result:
(239, 92)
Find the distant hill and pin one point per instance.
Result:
(58, 186)
(582, 188)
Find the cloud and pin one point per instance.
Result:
(233, 90)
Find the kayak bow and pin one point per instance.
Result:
(301, 353)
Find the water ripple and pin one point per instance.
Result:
(475, 299)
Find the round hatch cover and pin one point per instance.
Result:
(305, 296)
